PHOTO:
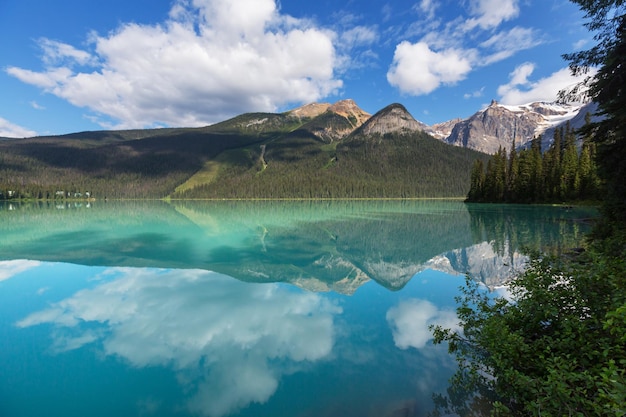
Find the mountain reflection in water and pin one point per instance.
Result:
(321, 246)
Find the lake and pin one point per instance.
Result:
(267, 308)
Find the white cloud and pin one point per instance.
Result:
(470, 40)
(226, 338)
(521, 90)
(11, 130)
(488, 14)
(47, 80)
(410, 319)
(475, 94)
(36, 105)
(580, 44)
(58, 52)
(210, 60)
(416, 69)
(505, 44)
(359, 35)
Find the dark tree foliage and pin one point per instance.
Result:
(608, 89)
(606, 19)
(603, 19)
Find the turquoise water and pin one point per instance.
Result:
(245, 309)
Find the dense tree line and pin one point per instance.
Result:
(562, 173)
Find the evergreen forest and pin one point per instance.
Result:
(561, 174)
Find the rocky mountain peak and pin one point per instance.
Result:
(501, 125)
(331, 122)
(393, 118)
(349, 109)
(309, 111)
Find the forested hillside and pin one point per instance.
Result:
(300, 166)
(104, 165)
(257, 155)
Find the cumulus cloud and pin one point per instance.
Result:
(11, 130)
(225, 337)
(416, 69)
(521, 89)
(210, 60)
(443, 57)
(410, 319)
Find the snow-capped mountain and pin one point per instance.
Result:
(499, 125)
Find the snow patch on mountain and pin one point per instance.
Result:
(501, 126)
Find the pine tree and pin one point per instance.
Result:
(587, 169)
(511, 174)
(495, 178)
(477, 182)
(552, 167)
(570, 179)
(537, 188)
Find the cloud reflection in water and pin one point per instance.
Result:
(227, 340)
(9, 269)
(410, 319)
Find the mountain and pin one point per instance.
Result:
(388, 156)
(392, 119)
(481, 263)
(330, 122)
(442, 130)
(319, 150)
(499, 125)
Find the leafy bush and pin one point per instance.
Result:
(557, 348)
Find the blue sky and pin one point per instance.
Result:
(75, 65)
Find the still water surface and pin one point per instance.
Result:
(246, 308)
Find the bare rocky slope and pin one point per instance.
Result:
(500, 126)
(392, 119)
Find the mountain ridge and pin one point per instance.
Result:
(500, 125)
(319, 150)
(496, 125)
